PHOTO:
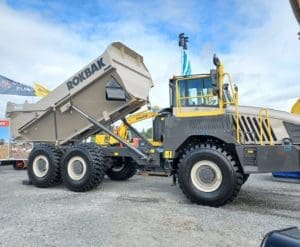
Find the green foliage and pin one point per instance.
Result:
(148, 133)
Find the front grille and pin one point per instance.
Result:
(212, 123)
(250, 130)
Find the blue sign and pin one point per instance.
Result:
(4, 130)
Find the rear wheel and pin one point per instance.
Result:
(208, 175)
(43, 165)
(83, 167)
(122, 169)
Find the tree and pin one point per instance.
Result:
(148, 133)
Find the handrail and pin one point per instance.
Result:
(269, 132)
(202, 97)
(235, 102)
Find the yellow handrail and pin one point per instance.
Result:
(237, 118)
(235, 102)
(261, 118)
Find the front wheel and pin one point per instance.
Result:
(208, 175)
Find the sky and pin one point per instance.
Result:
(4, 133)
(48, 41)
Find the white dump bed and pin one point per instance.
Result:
(113, 85)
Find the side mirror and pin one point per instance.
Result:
(214, 79)
(225, 86)
(216, 61)
(236, 89)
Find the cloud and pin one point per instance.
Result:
(257, 43)
(36, 50)
(29, 43)
(266, 62)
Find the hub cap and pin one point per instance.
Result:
(206, 176)
(40, 166)
(76, 168)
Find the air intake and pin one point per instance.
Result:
(250, 130)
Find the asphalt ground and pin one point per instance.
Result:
(143, 211)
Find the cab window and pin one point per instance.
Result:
(197, 92)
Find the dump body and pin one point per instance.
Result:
(110, 87)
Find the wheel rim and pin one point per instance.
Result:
(206, 176)
(118, 168)
(40, 166)
(76, 168)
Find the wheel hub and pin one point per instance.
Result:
(77, 168)
(206, 176)
(40, 166)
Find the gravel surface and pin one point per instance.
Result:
(143, 211)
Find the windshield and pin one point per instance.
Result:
(197, 92)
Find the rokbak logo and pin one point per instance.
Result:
(83, 75)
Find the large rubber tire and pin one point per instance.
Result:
(44, 166)
(90, 167)
(122, 169)
(245, 177)
(226, 175)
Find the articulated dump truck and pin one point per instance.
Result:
(207, 141)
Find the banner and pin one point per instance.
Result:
(8, 86)
(186, 65)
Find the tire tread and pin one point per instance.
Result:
(236, 168)
(97, 173)
(56, 155)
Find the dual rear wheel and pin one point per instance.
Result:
(81, 168)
